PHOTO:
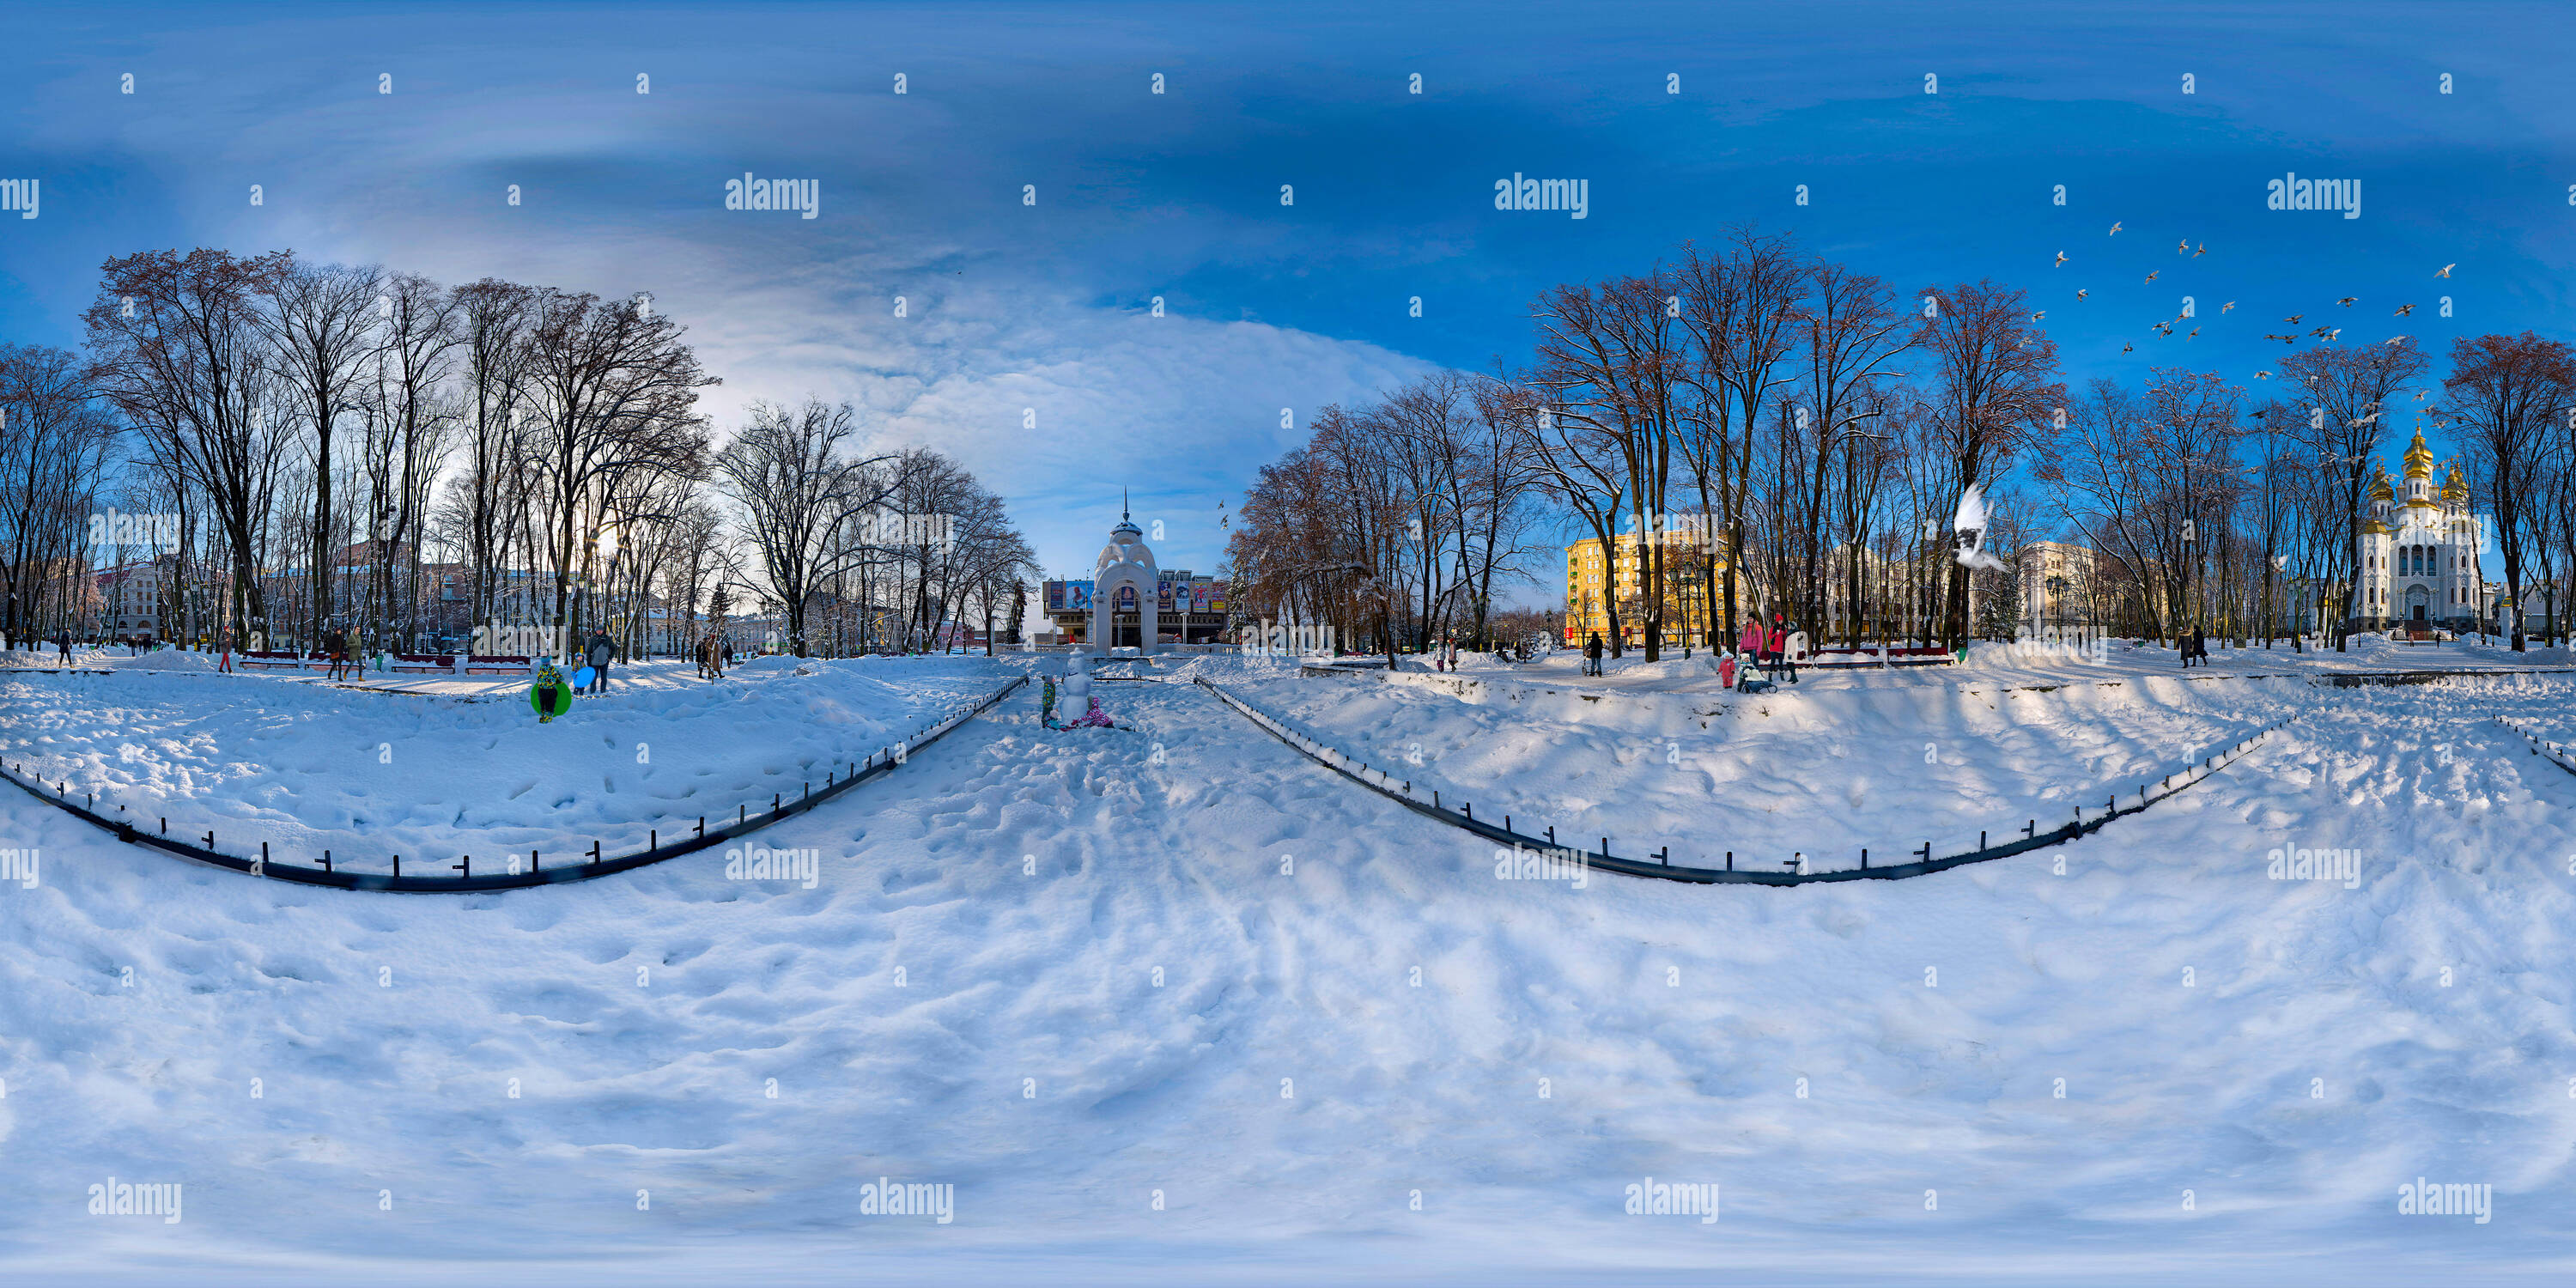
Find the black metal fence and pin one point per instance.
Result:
(2554, 753)
(504, 871)
(1660, 864)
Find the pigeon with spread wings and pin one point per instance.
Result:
(1968, 531)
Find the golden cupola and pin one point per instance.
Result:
(2455, 489)
(2379, 489)
(2419, 458)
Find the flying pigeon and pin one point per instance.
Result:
(2151, 276)
(1969, 531)
(2182, 247)
(2445, 270)
(2079, 293)
(2228, 305)
(2061, 260)
(2115, 228)
(2204, 249)
(2404, 309)
(2347, 300)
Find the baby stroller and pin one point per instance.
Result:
(1741, 672)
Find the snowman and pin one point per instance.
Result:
(1077, 682)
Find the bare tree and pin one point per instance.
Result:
(2349, 391)
(2509, 393)
(1995, 372)
(797, 486)
(178, 347)
(321, 323)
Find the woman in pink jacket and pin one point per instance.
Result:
(1748, 648)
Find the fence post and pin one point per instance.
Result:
(466, 866)
(326, 860)
(397, 867)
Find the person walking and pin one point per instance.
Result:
(1748, 641)
(1775, 647)
(601, 651)
(1793, 648)
(1592, 654)
(63, 650)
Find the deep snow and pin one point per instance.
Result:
(1028, 885)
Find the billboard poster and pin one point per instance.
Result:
(1204, 596)
(1163, 597)
(1068, 597)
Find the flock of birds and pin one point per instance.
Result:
(2165, 328)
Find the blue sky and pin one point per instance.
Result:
(1177, 195)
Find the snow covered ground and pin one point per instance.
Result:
(1077, 977)
(303, 764)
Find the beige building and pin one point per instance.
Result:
(2057, 590)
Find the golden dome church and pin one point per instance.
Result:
(2418, 551)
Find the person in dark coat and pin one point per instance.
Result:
(1592, 654)
(600, 651)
